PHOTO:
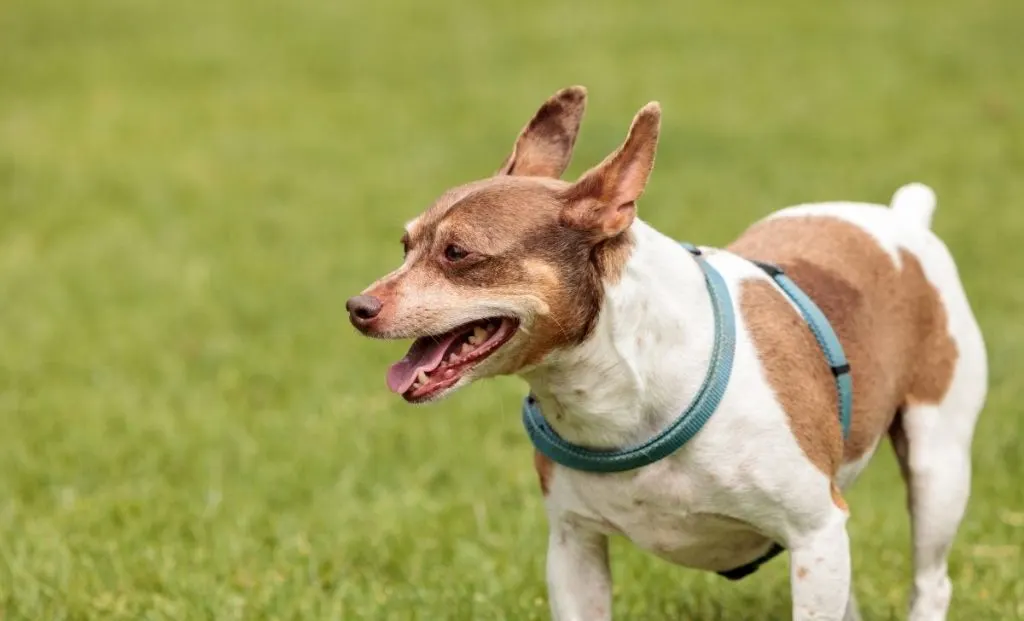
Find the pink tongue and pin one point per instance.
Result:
(425, 354)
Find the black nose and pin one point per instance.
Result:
(362, 308)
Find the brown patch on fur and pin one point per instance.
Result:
(838, 500)
(802, 384)
(611, 256)
(890, 320)
(801, 572)
(545, 469)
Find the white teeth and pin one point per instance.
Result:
(479, 334)
(421, 377)
(452, 357)
(466, 348)
(473, 340)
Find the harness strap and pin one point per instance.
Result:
(833, 350)
(742, 572)
(826, 337)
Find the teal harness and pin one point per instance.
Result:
(708, 397)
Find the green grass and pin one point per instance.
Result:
(189, 191)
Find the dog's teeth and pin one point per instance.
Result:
(466, 348)
(452, 357)
(473, 339)
(421, 377)
(479, 334)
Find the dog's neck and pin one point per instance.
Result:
(646, 358)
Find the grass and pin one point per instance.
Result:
(189, 192)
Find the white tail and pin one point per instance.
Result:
(915, 202)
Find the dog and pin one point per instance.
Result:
(616, 330)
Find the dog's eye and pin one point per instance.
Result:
(455, 253)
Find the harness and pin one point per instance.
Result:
(708, 396)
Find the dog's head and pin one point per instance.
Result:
(501, 272)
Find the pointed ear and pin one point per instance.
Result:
(544, 147)
(603, 201)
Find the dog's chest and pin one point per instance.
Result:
(666, 515)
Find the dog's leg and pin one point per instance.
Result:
(820, 570)
(579, 581)
(934, 454)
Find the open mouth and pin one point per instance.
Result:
(437, 362)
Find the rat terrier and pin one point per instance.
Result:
(762, 346)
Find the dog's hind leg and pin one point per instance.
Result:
(937, 471)
(933, 430)
(933, 447)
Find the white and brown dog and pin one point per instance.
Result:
(611, 324)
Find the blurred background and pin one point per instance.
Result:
(189, 191)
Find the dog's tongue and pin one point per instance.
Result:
(425, 354)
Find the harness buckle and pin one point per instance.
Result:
(841, 369)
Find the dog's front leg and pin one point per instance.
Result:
(820, 571)
(579, 582)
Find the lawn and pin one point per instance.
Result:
(189, 191)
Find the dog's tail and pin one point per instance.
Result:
(916, 203)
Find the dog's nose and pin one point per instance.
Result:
(362, 309)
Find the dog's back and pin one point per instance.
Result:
(892, 292)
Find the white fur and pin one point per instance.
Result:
(916, 202)
(743, 481)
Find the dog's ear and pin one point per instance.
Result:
(544, 147)
(603, 200)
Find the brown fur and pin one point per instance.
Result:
(837, 498)
(545, 469)
(890, 320)
(611, 255)
(802, 383)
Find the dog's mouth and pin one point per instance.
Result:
(437, 362)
